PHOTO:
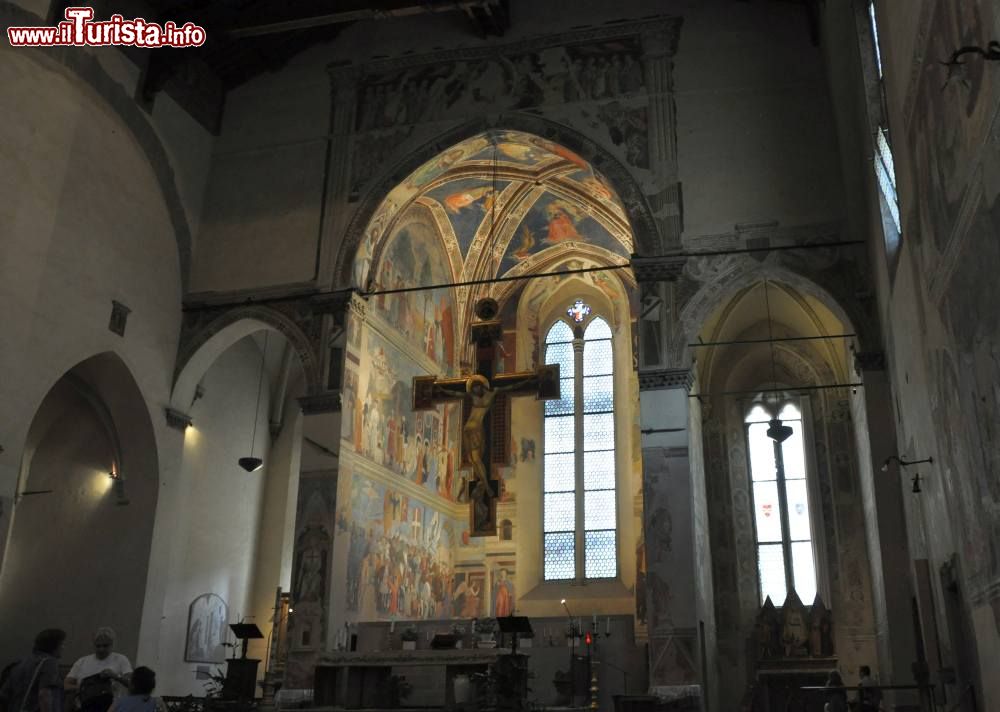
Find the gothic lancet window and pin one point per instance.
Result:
(782, 523)
(580, 521)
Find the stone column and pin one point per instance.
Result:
(885, 522)
(311, 628)
(343, 110)
(669, 493)
(659, 43)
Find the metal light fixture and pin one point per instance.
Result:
(904, 463)
(776, 430)
(956, 67)
(118, 484)
(252, 463)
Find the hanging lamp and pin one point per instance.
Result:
(776, 430)
(252, 463)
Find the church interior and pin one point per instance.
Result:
(494, 354)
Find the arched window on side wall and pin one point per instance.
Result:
(782, 521)
(579, 507)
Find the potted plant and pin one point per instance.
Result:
(409, 638)
(564, 687)
(485, 629)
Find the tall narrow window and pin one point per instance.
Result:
(885, 170)
(781, 507)
(580, 512)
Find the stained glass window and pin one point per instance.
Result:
(781, 507)
(580, 505)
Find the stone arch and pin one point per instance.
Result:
(200, 348)
(726, 282)
(85, 70)
(92, 420)
(644, 228)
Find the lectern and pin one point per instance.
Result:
(241, 672)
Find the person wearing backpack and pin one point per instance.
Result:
(101, 677)
(34, 684)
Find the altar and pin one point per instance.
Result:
(357, 680)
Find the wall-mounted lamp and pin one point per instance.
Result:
(904, 463)
(956, 67)
(177, 420)
(118, 484)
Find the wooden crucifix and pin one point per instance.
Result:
(479, 393)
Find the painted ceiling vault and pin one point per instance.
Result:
(544, 200)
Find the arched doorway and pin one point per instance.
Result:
(79, 544)
(238, 383)
(786, 522)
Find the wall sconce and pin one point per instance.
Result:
(904, 463)
(118, 484)
(956, 67)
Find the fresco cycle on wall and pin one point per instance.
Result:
(380, 425)
(414, 256)
(399, 560)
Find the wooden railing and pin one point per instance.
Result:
(926, 693)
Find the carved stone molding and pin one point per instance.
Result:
(664, 378)
(868, 361)
(177, 420)
(305, 320)
(326, 402)
(659, 268)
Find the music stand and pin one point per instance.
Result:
(515, 625)
(245, 632)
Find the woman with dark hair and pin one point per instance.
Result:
(140, 694)
(837, 696)
(34, 684)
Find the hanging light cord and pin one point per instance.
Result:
(493, 206)
(260, 383)
(770, 338)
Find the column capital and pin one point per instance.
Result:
(325, 402)
(664, 378)
(868, 361)
(658, 268)
(177, 419)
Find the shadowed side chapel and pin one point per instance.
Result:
(492, 354)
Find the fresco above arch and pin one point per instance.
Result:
(567, 200)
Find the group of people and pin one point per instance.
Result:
(869, 692)
(103, 681)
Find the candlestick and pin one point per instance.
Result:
(392, 626)
(607, 626)
(594, 624)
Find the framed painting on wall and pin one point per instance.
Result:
(207, 627)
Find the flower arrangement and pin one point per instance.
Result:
(409, 635)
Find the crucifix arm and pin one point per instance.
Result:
(449, 388)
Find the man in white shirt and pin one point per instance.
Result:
(99, 678)
(869, 693)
